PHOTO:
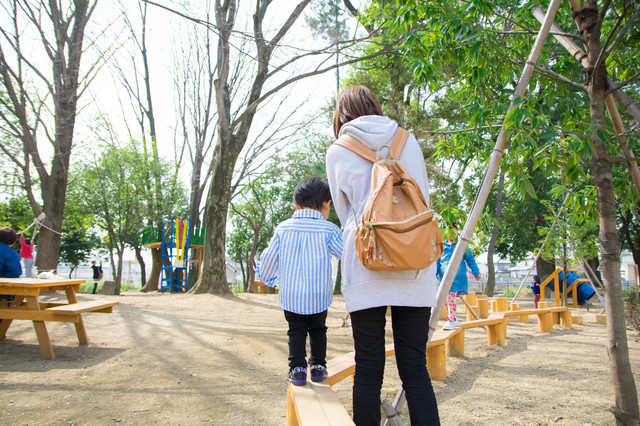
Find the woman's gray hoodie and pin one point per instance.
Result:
(349, 179)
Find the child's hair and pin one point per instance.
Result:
(8, 235)
(354, 102)
(536, 278)
(28, 241)
(312, 193)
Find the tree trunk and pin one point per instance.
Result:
(625, 394)
(154, 276)
(491, 275)
(251, 273)
(544, 268)
(337, 288)
(143, 270)
(213, 278)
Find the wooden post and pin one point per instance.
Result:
(483, 306)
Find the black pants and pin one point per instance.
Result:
(410, 332)
(299, 327)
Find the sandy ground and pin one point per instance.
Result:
(196, 359)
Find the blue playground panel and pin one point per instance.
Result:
(584, 290)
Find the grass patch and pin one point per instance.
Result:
(87, 287)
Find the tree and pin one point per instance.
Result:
(29, 113)
(330, 23)
(485, 42)
(237, 107)
(79, 239)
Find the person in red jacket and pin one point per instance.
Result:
(26, 253)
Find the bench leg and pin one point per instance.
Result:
(566, 319)
(496, 334)
(46, 349)
(437, 362)
(455, 345)
(4, 326)
(556, 317)
(81, 332)
(545, 323)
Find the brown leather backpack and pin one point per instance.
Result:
(397, 230)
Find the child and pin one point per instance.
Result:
(9, 259)
(298, 257)
(97, 275)
(460, 285)
(535, 289)
(26, 253)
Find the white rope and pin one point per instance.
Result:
(39, 222)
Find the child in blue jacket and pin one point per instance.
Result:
(9, 258)
(460, 284)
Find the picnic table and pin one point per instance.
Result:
(26, 306)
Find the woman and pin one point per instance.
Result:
(411, 294)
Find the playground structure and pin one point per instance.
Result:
(578, 288)
(175, 243)
(316, 403)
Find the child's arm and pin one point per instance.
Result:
(336, 245)
(269, 261)
(471, 262)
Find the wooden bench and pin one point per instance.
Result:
(315, 404)
(545, 316)
(495, 328)
(443, 343)
(82, 307)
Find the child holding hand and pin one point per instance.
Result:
(298, 258)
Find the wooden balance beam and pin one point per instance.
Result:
(315, 404)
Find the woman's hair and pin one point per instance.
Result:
(8, 235)
(354, 102)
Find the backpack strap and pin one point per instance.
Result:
(354, 145)
(398, 142)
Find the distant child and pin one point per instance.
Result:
(298, 257)
(26, 253)
(460, 285)
(97, 275)
(535, 289)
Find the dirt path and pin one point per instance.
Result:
(194, 359)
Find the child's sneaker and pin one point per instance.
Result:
(458, 324)
(318, 373)
(449, 325)
(297, 376)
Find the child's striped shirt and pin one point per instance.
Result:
(298, 260)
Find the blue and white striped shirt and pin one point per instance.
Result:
(298, 257)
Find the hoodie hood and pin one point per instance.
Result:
(373, 131)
